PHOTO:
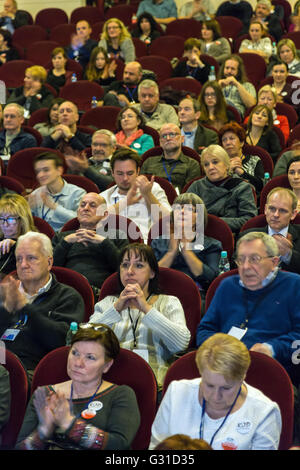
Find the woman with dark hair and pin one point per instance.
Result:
(46, 128)
(148, 322)
(7, 52)
(248, 167)
(213, 108)
(260, 131)
(293, 172)
(86, 412)
(187, 249)
(130, 133)
(146, 29)
(58, 76)
(192, 66)
(212, 42)
(100, 68)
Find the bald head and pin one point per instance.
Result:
(132, 73)
(91, 210)
(171, 140)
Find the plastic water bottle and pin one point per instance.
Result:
(134, 19)
(74, 78)
(266, 178)
(72, 331)
(274, 48)
(212, 74)
(94, 102)
(224, 265)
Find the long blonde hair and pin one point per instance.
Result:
(16, 205)
(124, 31)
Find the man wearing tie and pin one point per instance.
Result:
(280, 210)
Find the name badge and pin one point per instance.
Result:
(236, 332)
(10, 334)
(144, 353)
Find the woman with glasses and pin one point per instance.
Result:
(15, 220)
(293, 172)
(218, 405)
(146, 321)
(260, 131)
(86, 412)
(226, 196)
(187, 248)
(130, 133)
(213, 108)
(116, 41)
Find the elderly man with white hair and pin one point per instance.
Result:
(36, 309)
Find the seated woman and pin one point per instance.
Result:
(199, 10)
(58, 76)
(295, 19)
(146, 29)
(228, 197)
(260, 132)
(283, 88)
(7, 51)
(249, 167)
(181, 251)
(259, 42)
(62, 416)
(287, 52)
(145, 321)
(293, 171)
(193, 66)
(267, 96)
(130, 131)
(212, 42)
(219, 401)
(47, 128)
(213, 108)
(15, 220)
(33, 94)
(100, 68)
(116, 40)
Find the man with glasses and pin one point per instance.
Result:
(280, 211)
(172, 164)
(97, 167)
(260, 304)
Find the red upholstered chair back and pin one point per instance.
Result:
(264, 373)
(127, 369)
(214, 285)
(19, 397)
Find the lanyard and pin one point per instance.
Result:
(130, 93)
(22, 322)
(171, 171)
(244, 324)
(90, 400)
(134, 325)
(223, 422)
(44, 214)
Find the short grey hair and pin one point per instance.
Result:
(191, 198)
(215, 150)
(268, 241)
(148, 84)
(113, 140)
(20, 108)
(44, 240)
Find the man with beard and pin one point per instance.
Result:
(125, 92)
(173, 165)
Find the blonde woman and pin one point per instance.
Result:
(116, 40)
(287, 52)
(33, 94)
(259, 42)
(15, 220)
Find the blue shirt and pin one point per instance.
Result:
(165, 9)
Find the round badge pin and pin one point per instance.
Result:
(95, 405)
(88, 414)
(137, 145)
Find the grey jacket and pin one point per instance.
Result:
(127, 49)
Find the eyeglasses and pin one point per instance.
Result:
(9, 220)
(113, 27)
(208, 95)
(252, 259)
(171, 135)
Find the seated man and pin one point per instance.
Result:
(260, 304)
(240, 9)
(156, 114)
(65, 136)
(81, 44)
(55, 201)
(173, 165)
(11, 18)
(163, 11)
(271, 21)
(125, 92)
(36, 309)
(12, 137)
(134, 196)
(97, 167)
(238, 92)
(281, 166)
(195, 134)
(280, 210)
(86, 251)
